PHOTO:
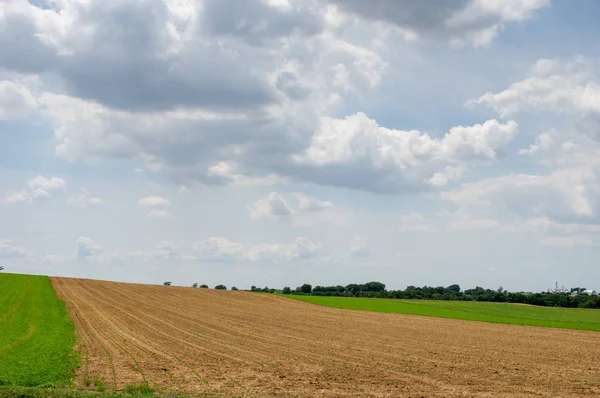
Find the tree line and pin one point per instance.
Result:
(576, 298)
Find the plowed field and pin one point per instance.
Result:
(255, 345)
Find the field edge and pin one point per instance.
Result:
(465, 315)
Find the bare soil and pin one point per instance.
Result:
(202, 341)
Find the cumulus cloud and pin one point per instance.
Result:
(47, 184)
(154, 201)
(205, 92)
(474, 22)
(266, 74)
(570, 191)
(87, 248)
(567, 87)
(16, 197)
(561, 195)
(358, 152)
(156, 206)
(8, 250)
(297, 208)
(220, 249)
(308, 203)
(273, 206)
(83, 199)
(544, 141)
(40, 188)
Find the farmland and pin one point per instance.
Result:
(204, 341)
(36, 334)
(515, 314)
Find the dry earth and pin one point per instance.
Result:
(246, 344)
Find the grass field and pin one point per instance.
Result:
(36, 333)
(566, 318)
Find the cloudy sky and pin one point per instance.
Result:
(276, 142)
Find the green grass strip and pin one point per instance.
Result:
(36, 333)
(34, 392)
(565, 318)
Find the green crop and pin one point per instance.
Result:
(567, 318)
(36, 333)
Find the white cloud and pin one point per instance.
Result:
(8, 250)
(16, 101)
(299, 209)
(41, 188)
(544, 141)
(84, 200)
(563, 194)
(87, 248)
(359, 247)
(154, 201)
(16, 197)
(220, 249)
(308, 203)
(273, 206)
(358, 153)
(557, 86)
(47, 184)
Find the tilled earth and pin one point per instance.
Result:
(201, 341)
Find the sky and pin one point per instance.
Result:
(281, 142)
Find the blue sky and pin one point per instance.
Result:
(277, 142)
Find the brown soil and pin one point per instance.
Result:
(257, 345)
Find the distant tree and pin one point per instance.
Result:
(167, 283)
(253, 288)
(306, 288)
(454, 289)
(1, 268)
(195, 285)
(203, 286)
(234, 288)
(287, 290)
(221, 287)
(500, 290)
(373, 287)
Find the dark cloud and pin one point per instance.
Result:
(121, 54)
(256, 22)
(420, 15)
(21, 48)
(467, 21)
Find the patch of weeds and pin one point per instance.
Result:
(142, 389)
(99, 384)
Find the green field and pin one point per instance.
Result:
(516, 314)
(36, 333)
